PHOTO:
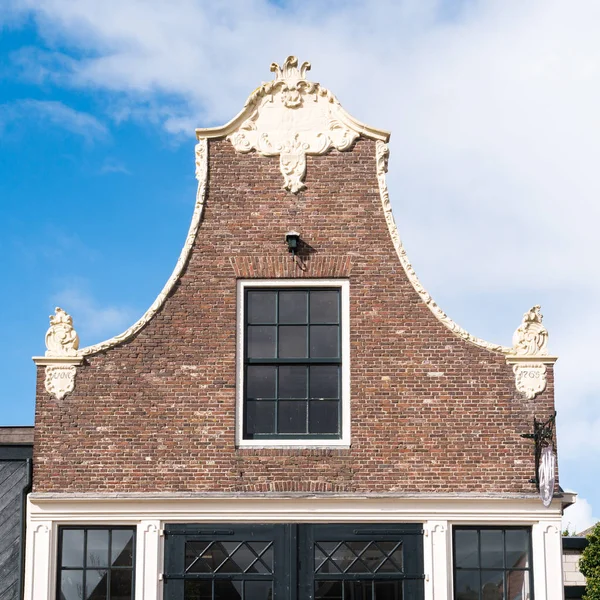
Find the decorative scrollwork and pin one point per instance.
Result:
(61, 338)
(531, 337)
(293, 117)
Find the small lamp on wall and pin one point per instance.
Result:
(292, 239)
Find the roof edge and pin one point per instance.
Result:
(382, 155)
(202, 176)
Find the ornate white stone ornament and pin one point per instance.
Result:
(62, 355)
(529, 354)
(531, 337)
(546, 475)
(530, 378)
(293, 117)
(60, 380)
(61, 338)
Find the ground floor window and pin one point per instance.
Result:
(492, 563)
(293, 562)
(96, 563)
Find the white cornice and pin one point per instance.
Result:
(291, 508)
(201, 176)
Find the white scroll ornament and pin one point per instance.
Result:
(529, 354)
(62, 356)
(293, 117)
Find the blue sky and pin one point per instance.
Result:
(492, 106)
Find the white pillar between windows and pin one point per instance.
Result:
(436, 557)
(547, 560)
(148, 561)
(38, 560)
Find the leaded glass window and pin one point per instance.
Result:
(492, 563)
(96, 563)
(292, 363)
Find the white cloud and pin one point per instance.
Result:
(494, 109)
(91, 320)
(112, 165)
(578, 517)
(46, 112)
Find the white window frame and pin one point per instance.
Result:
(344, 287)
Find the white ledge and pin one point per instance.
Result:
(44, 361)
(513, 359)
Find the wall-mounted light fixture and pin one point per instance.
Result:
(292, 239)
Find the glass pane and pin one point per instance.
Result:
(193, 561)
(198, 590)
(228, 590)
(292, 307)
(260, 381)
(492, 548)
(72, 548)
(324, 341)
(261, 341)
(267, 558)
(518, 585)
(121, 584)
(372, 557)
(292, 341)
(358, 590)
(243, 557)
(345, 557)
(97, 548)
(96, 582)
(122, 548)
(517, 548)
(71, 585)
(219, 554)
(393, 563)
(388, 590)
(324, 381)
(260, 417)
(492, 585)
(467, 585)
(261, 307)
(265, 551)
(332, 590)
(292, 416)
(324, 416)
(324, 307)
(292, 381)
(465, 541)
(258, 590)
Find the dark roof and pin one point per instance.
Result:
(22, 436)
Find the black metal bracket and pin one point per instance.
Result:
(543, 435)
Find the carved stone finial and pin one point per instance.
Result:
(531, 337)
(61, 338)
(290, 69)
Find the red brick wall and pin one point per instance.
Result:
(157, 413)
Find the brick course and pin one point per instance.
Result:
(157, 413)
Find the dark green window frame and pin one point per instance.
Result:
(311, 366)
(487, 574)
(75, 580)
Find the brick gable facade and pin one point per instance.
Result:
(430, 412)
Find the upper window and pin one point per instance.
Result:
(96, 563)
(492, 563)
(292, 377)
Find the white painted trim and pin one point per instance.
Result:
(202, 176)
(438, 515)
(344, 285)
